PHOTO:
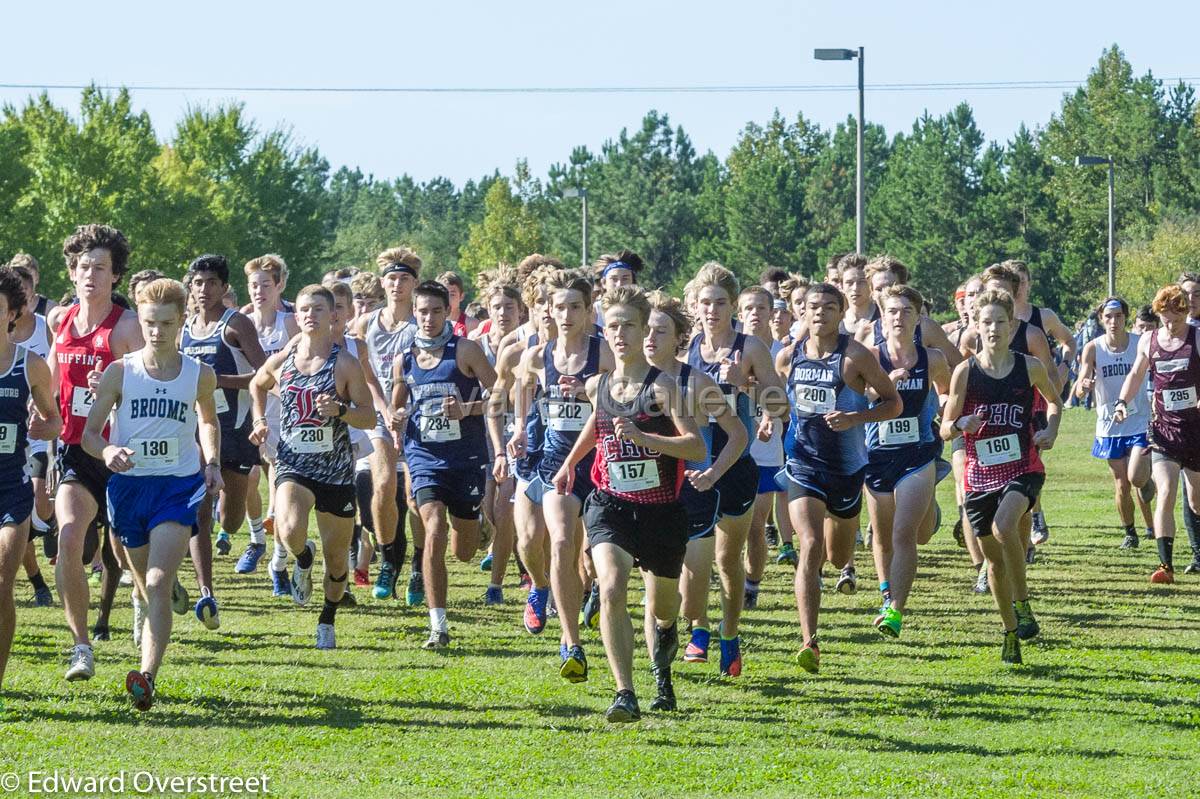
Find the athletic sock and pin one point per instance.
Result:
(257, 534)
(305, 559)
(437, 620)
(38, 581)
(279, 558)
(496, 586)
(752, 586)
(885, 587)
(1166, 552)
(418, 561)
(328, 611)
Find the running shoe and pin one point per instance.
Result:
(224, 545)
(101, 633)
(1163, 575)
(535, 610)
(1030, 555)
(325, 637)
(50, 543)
(126, 578)
(960, 537)
(666, 647)
(347, 600)
(281, 584)
(206, 610)
(665, 700)
(485, 565)
(526, 582)
(302, 586)
(731, 657)
(787, 554)
(1149, 534)
(1011, 652)
(697, 649)
(574, 666)
(1027, 626)
(415, 594)
(82, 665)
(139, 618)
(858, 537)
(1041, 533)
(848, 582)
(623, 709)
(869, 538)
(385, 582)
(1192, 568)
(981, 582)
(181, 603)
(772, 534)
(809, 658)
(888, 621)
(362, 578)
(1131, 542)
(42, 598)
(140, 686)
(248, 562)
(438, 639)
(750, 599)
(493, 596)
(590, 617)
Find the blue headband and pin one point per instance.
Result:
(1114, 305)
(615, 265)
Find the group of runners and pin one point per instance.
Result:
(585, 429)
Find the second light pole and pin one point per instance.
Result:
(582, 194)
(841, 54)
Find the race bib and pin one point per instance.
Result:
(437, 429)
(1179, 399)
(8, 439)
(814, 399)
(155, 451)
(567, 416)
(82, 400)
(222, 403)
(899, 431)
(630, 476)
(998, 450)
(310, 440)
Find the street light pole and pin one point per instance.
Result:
(582, 194)
(1095, 160)
(841, 54)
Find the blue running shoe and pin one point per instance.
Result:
(731, 656)
(248, 562)
(485, 565)
(206, 611)
(415, 594)
(385, 582)
(494, 596)
(224, 545)
(281, 583)
(535, 610)
(697, 649)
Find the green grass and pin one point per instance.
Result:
(1108, 702)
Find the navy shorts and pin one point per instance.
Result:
(237, 453)
(888, 468)
(841, 493)
(738, 488)
(654, 534)
(545, 479)
(981, 506)
(137, 505)
(16, 499)
(766, 480)
(1118, 447)
(702, 509)
(460, 490)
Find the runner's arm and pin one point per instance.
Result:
(934, 337)
(1059, 332)
(46, 423)
(264, 380)
(360, 412)
(245, 338)
(209, 426)
(862, 366)
(1039, 376)
(687, 444)
(108, 394)
(1135, 378)
(1087, 370)
(954, 403)
(708, 401)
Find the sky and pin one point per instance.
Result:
(573, 44)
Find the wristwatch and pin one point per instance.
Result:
(342, 408)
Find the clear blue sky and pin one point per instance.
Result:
(612, 43)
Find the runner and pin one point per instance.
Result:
(25, 377)
(462, 323)
(158, 484)
(444, 376)
(559, 368)
(1171, 355)
(368, 297)
(904, 454)
(861, 309)
(42, 305)
(992, 405)
(634, 517)
(227, 341)
(89, 335)
(827, 373)
(322, 391)
(613, 271)
(1103, 366)
(1190, 283)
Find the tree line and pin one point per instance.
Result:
(939, 196)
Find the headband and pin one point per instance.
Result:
(960, 293)
(1114, 305)
(779, 305)
(397, 267)
(615, 265)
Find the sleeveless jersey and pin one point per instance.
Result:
(914, 425)
(1002, 449)
(564, 416)
(770, 452)
(272, 341)
(157, 419)
(738, 401)
(312, 445)
(816, 386)
(624, 469)
(14, 416)
(233, 404)
(684, 376)
(1174, 377)
(76, 356)
(432, 440)
(1111, 368)
(38, 342)
(386, 346)
(460, 324)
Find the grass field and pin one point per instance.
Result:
(1108, 702)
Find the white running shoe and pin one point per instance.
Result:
(139, 619)
(83, 664)
(126, 578)
(302, 579)
(325, 637)
(181, 603)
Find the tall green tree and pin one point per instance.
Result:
(507, 233)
